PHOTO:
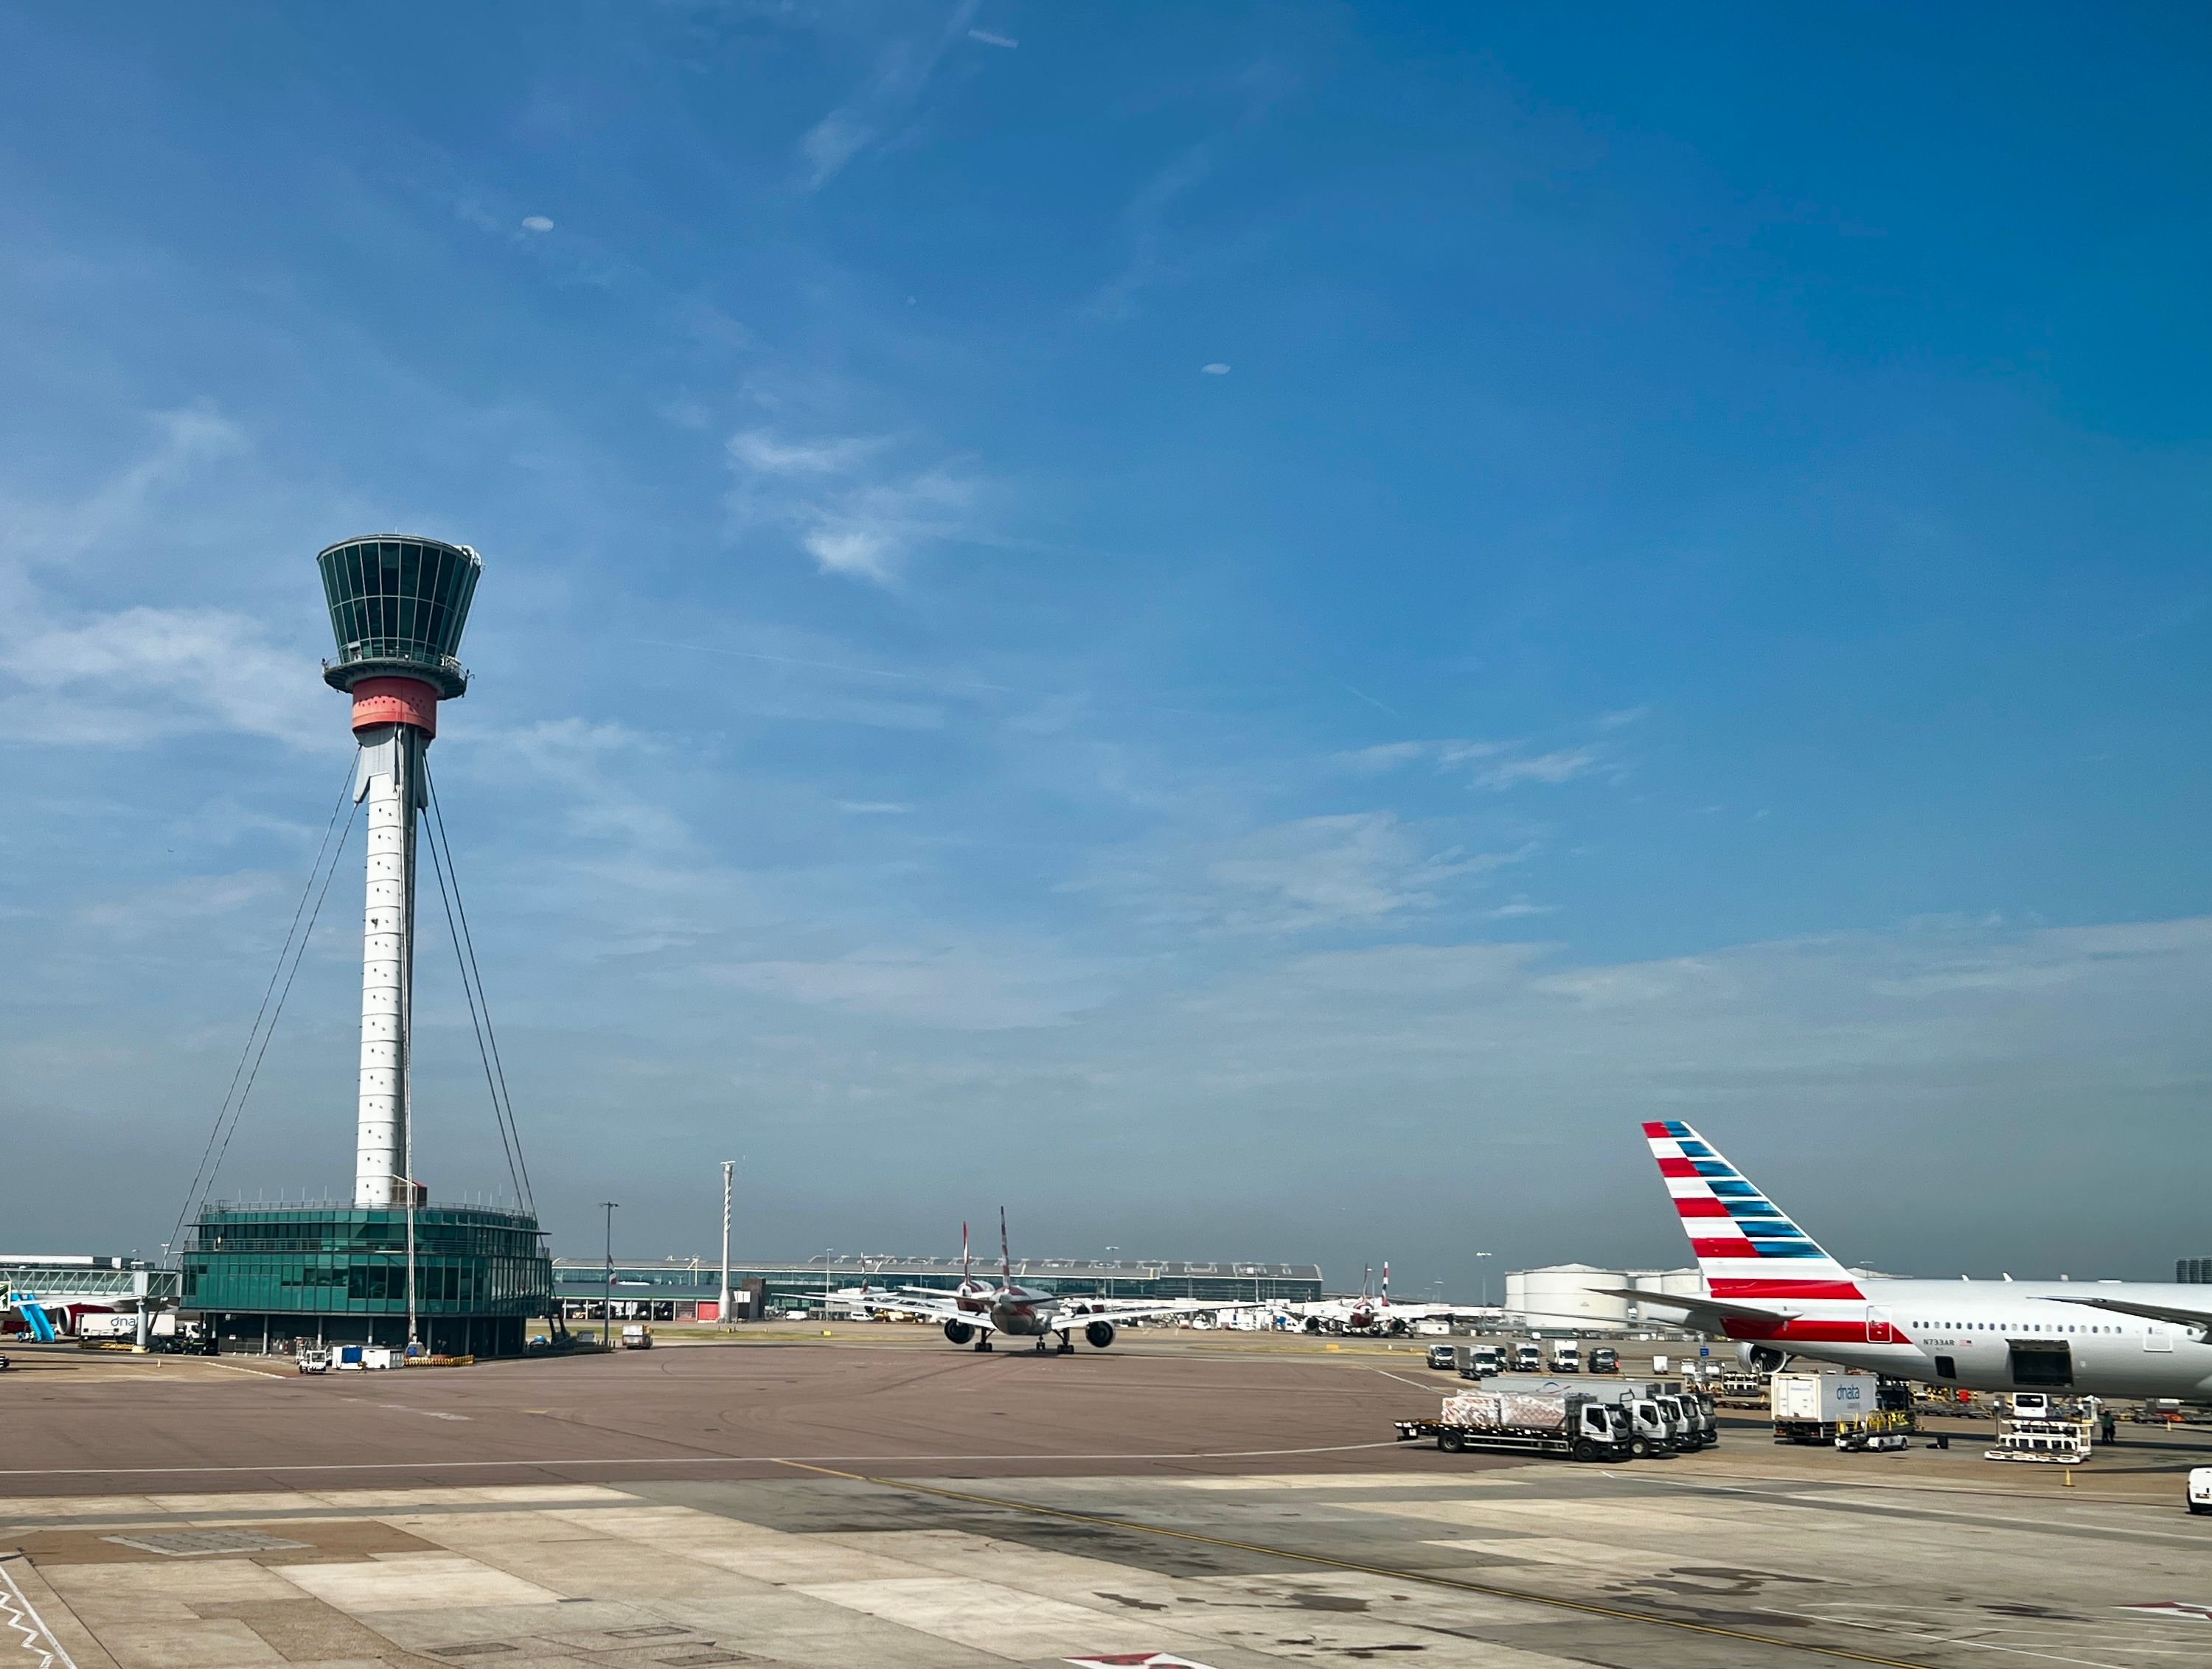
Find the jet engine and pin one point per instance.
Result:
(1100, 1334)
(959, 1332)
(1760, 1358)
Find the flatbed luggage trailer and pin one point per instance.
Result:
(1595, 1431)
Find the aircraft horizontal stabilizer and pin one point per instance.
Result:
(1719, 1310)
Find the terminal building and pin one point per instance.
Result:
(68, 1286)
(688, 1289)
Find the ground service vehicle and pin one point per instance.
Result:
(1696, 1406)
(1694, 1429)
(1567, 1358)
(1482, 1360)
(1656, 1425)
(315, 1360)
(1809, 1407)
(2200, 1489)
(1572, 1426)
(1443, 1356)
(636, 1337)
(1527, 1357)
(1605, 1360)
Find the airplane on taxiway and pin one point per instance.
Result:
(1770, 1287)
(975, 1310)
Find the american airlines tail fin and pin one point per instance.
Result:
(964, 1267)
(1746, 1246)
(1385, 1283)
(1005, 1257)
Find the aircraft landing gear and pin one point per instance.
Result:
(1066, 1345)
(1040, 1344)
(983, 1343)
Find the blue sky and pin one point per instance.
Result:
(1250, 629)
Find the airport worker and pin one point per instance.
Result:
(2108, 1427)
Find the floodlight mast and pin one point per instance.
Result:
(397, 603)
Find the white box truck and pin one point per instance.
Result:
(1807, 1407)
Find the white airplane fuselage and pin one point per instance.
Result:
(1965, 1333)
(1770, 1285)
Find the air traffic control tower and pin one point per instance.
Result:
(466, 1278)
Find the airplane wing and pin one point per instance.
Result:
(1116, 1309)
(1706, 1315)
(939, 1308)
(2179, 1316)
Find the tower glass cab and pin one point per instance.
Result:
(398, 605)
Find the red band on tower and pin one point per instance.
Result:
(395, 701)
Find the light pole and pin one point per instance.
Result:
(607, 1302)
(414, 1193)
(1113, 1254)
(722, 1306)
(828, 1254)
(1485, 1277)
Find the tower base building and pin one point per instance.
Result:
(269, 1276)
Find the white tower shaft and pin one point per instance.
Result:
(391, 779)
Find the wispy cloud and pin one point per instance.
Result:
(880, 102)
(982, 987)
(990, 39)
(74, 674)
(1357, 869)
(854, 520)
(1145, 219)
(1495, 765)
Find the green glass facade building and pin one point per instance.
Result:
(339, 1275)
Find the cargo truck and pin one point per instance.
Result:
(1839, 1402)
(1569, 1426)
(1605, 1360)
(1566, 1357)
(1656, 1423)
(1527, 1357)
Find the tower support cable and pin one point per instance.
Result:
(467, 944)
(284, 954)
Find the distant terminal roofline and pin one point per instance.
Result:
(69, 1261)
(866, 1264)
(697, 1278)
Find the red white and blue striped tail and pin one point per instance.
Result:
(1746, 1247)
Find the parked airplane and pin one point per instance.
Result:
(1770, 1287)
(975, 1310)
(1354, 1315)
(1365, 1312)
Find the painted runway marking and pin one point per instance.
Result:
(1427, 1578)
(1417, 1384)
(665, 1461)
(17, 1616)
(2177, 1609)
